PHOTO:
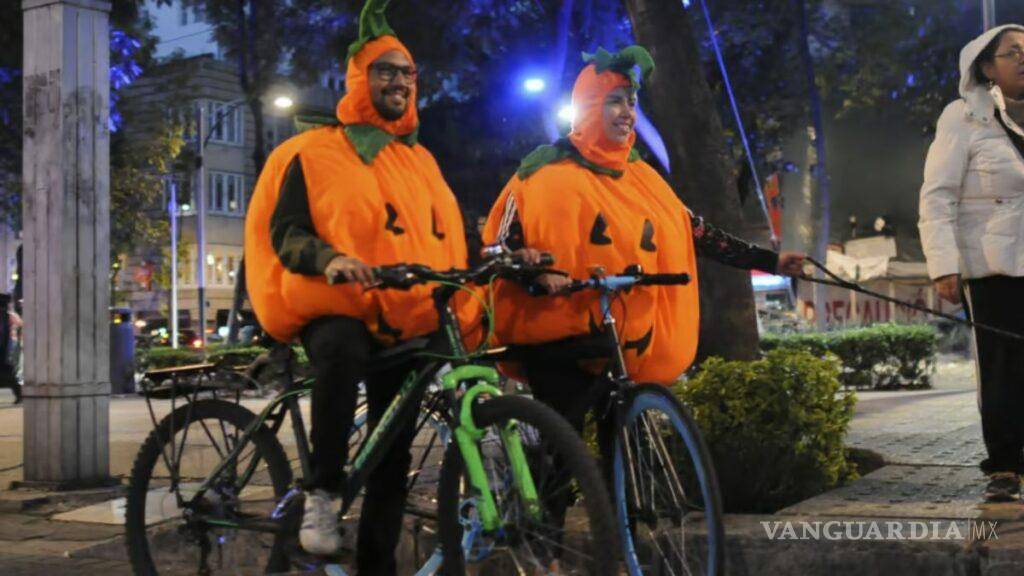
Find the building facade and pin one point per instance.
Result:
(181, 88)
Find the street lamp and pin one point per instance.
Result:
(282, 101)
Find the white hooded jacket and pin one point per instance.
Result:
(972, 199)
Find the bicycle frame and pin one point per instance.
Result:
(479, 380)
(619, 377)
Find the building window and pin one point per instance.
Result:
(183, 14)
(224, 123)
(225, 194)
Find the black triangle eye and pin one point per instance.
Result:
(647, 240)
(392, 218)
(598, 231)
(433, 225)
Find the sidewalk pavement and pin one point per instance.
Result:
(930, 440)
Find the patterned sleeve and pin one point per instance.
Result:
(510, 232)
(720, 246)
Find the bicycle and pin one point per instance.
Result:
(500, 459)
(665, 489)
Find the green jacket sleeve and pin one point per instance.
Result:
(291, 227)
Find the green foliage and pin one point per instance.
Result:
(231, 356)
(166, 357)
(775, 427)
(879, 356)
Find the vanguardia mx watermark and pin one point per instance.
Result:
(881, 530)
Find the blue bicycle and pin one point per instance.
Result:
(665, 490)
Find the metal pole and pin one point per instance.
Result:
(988, 14)
(200, 201)
(173, 208)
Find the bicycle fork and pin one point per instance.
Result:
(468, 437)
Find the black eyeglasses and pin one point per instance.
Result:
(1016, 54)
(387, 72)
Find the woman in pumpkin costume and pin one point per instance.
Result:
(589, 200)
(335, 201)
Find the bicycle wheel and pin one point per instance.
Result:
(164, 537)
(574, 533)
(666, 493)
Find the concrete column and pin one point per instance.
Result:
(67, 243)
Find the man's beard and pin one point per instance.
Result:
(388, 113)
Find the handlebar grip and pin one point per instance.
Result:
(664, 279)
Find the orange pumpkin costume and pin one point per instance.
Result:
(595, 203)
(374, 194)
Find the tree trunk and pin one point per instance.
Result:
(822, 213)
(683, 108)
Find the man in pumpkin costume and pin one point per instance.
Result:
(589, 200)
(333, 202)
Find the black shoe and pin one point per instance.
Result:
(1002, 487)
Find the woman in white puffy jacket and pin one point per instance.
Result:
(972, 230)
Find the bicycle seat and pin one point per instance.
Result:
(402, 353)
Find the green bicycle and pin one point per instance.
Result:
(212, 483)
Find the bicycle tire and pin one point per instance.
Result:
(582, 468)
(149, 457)
(643, 399)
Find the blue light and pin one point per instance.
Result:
(534, 85)
(686, 3)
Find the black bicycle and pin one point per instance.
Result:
(212, 482)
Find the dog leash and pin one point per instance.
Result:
(835, 280)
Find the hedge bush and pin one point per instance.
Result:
(878, 356)
(166, 357)
(775, 426)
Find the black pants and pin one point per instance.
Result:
(565, 387)
(995, 300)
(340, 349)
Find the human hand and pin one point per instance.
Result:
(948, 287)
(349, 269)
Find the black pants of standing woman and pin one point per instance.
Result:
(996, 300)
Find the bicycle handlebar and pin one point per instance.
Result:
(627, 281)
(405, 276)
(616, 283)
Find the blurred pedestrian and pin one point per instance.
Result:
(10, 326)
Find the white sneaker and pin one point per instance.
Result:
(319, 534)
